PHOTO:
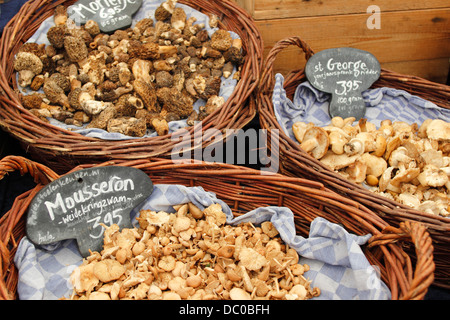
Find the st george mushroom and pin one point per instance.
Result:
(405, 162)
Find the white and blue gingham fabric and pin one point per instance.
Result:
(311, 105)
(147, 10)
(337, 264)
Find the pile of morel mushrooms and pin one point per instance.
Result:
(132, 80)
(404, 162)
(192, 254)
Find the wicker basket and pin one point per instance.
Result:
(295, 162)
(245, 189)
(62, 149)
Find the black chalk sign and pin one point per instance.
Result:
(344, 73)
(76, 205)
(110, 15)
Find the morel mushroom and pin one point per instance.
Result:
(165, 10)
(147, 93)
(221, 40)
(94, 70)
(28, 65)
(76, 48)
(55, 93)
(129, 126)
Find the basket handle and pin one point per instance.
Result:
(40, 173)
(8, 241)
(417, 283)
(267, 79)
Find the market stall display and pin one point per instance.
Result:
(276, 92)
(245, 193)
(204, 79)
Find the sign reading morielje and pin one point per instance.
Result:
(344, 73)
(110, 15)
(76, 205)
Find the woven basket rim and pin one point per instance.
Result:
(292, 157)
(238, 186)
(237, 112)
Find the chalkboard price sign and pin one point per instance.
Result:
(76, 205)
(344, 73)
(110, 15)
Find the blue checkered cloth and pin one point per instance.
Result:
(337, 264)
(147, 10)
(311, 105)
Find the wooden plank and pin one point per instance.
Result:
(435, 70)
(277, 9)
(403, 36)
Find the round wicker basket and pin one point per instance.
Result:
(295, 162)
(245, 189)
(62, 149)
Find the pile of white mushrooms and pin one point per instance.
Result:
(192, 254)
(407, 163)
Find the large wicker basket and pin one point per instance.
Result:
(62, 149)
(245, 189)
(295, 162)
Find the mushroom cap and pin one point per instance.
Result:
(269, 229)
(55, 36)
(167, 263)
(221, 40)
(239, 294)
(409, 200)
(385, 178)
(375, 165)
(338, 161)
(422, 132)
(28, 61)
(299, 129)
(380, 145)
(405, 176)
(438, 130)
(316, 142)
(369, 140)
(76, 48)
(215, 214)
(83, 278)
(251, 259)
(181, 224)
(298, 292)
(178, 19)
(433, 157)
(108, 270)
(146, 92)
(392, 143)
(432, 176)
(399, 156)
(357, 171)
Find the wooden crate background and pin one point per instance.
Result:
(414, 36)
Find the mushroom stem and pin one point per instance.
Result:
(167, 50)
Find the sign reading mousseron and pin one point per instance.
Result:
(344, 73)
(77, 205)
(110, 15)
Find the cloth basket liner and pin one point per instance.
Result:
(311, 105)
(338, 266)
(147, 10)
